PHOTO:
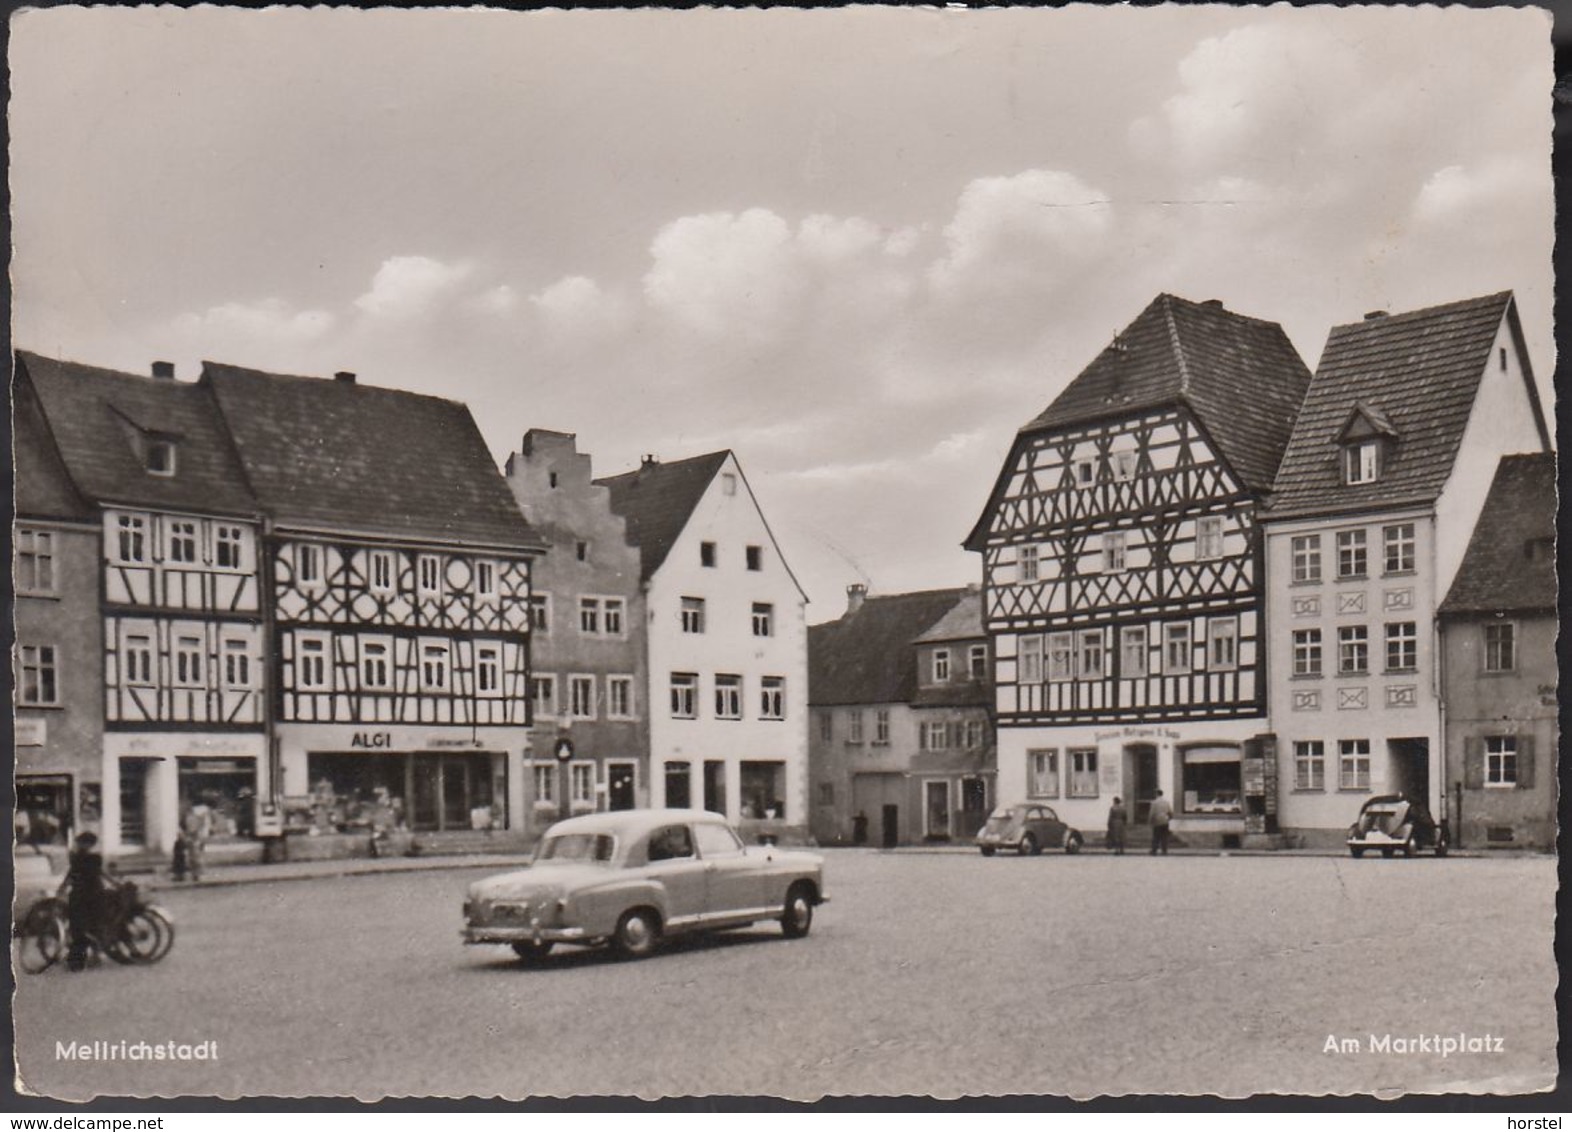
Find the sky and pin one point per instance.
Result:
(859, 247)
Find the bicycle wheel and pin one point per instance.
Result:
(166, 933)
(144, 938)
(40, 939)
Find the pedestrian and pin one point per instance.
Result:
(1162, 813)
(198, 827)
(1116, 824)
(85, 904)
(181, 859)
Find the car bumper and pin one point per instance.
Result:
(523, 934)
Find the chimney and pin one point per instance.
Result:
(649, 459)
(1215, 304)
(344, 377)
(855, 594)
(1371, 316)
(164, 371)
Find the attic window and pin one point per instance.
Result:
(1503, 359)
(729, 483)
(160, 458)
(1362, 462)
(552, 479)
(1540, 549)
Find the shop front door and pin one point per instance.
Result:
(936, 796)
(43, 809)
(619, 786)
(426, 812)
(133, 802)
(1410, 773)
(1140, 780)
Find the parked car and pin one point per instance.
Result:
(1028, 828)
(630, 878)
(1391, 822)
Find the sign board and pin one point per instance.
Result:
(564, 749)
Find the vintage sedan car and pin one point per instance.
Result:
(632, 877)
(1393, 823)
(1028, 828)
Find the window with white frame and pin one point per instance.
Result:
(881, 727)
(581, 697)
(436, 665)
(977, 662)
(1028, 561)
(229, 543)
(684, 695)
(38, 676)
(854, 726)
(1122, 464)
(543, 695)
(160, 457)
(1501, 760)
(613, 621)
(1309, 764)
(581, 778)
(1031, 659)
(1083, 772)
(1501, 647)
(619, 697)
(1115, 544)
(1209, 537)
(1305, 553)
(1307, 652)
(1397, 548)
(137, 660)
(376, 664)
(1132, 651)
(1353, 650)
(935, 736)
(35, 561)
(540, 613)
(235, 656)
(1090, 665)
(728, 696)
(1361, 462)
(1061, 656)
(974, 734)
(312, 673)
(545, 781)
(186, 653)
(1353, 764)
(1042, 766)
(1084, 472)
(382, 577)
(180, 537)
(763, 619)
(486, 580)
(1402, 646)
(589, 616)
(1352, 554)
(693, 615)
(772, 697)
(428, 577)
(1177, 649)
(308, 566)
(488, 669)
(1222, 641)
(941, 665)
(131, 539)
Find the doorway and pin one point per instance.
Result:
(892, 825)
(936, 796)
(715, 786)
(133, 802)
(1409, 760)
(679, 788)
(974, 806)
(1140, 780)
(619, 786)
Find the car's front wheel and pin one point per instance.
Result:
(987, 850)
(797, 916)
(530, 951)
(638, 933)
(1029, 846)
(1356, 852)
(1072, 842)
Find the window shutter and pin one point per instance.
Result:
(1525, 762)
(1473, 762)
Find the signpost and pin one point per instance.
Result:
(564, 752)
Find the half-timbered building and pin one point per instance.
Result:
(397, 570)
(1122, 574)
(1381, 487)
(183, 714)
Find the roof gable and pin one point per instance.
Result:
(868, 656)
(1365, 421)
(657, 500)
(1417, 374)
(43, 487)
(1510, 563)
(339, 456)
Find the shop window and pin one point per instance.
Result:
(1310, 765)
(488, 670)
(581, 697)
(1083, 772)
(684, 695)
(1042, 767)
(763, 619)
(763, 789)
(772, 697)
(543, 695)
(181, 536)
(1222, 637)
(619, 697)
(941, 665)
(1307, 652)
(1501, 760)
(1031, 660)
(35, 562)
(1352, 554)
(1402, 646)
(1132, 651)
(1210, 780)
(1353, 764)
(1305, 551)
(1353, 650)
(1397, 545)
(376, 664)
(728, 696)
(38, 676)
(1501, 647)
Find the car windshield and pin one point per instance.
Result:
(577, 847)
(1003, 813)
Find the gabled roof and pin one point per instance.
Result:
(1366, 420)
(867, 656)
(657, 499)
(963, 622)
(1420, 371)
(43, 489)
(1510, 563)
(1241, 376)
(342, 457)
(98, 417)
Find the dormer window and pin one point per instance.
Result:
(1366, 437)
(1362, 462)
(160, 458)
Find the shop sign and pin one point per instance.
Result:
(1138, 733)
(438, 743)
(31, 732)
(372, 740)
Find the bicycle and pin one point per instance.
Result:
(143, 932)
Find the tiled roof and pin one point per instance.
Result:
(1241, 377)
(1420, 371)
(968, 693)
(340, 456)
(963, 622)
(99, 416)
(657, 500)
(867, 657)
(1510, 564)
(43, 489)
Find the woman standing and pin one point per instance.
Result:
(1116, 824)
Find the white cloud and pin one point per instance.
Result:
(1457, 192)
(499, 300)
(407, 286)
(723, 273)
(264, 321)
